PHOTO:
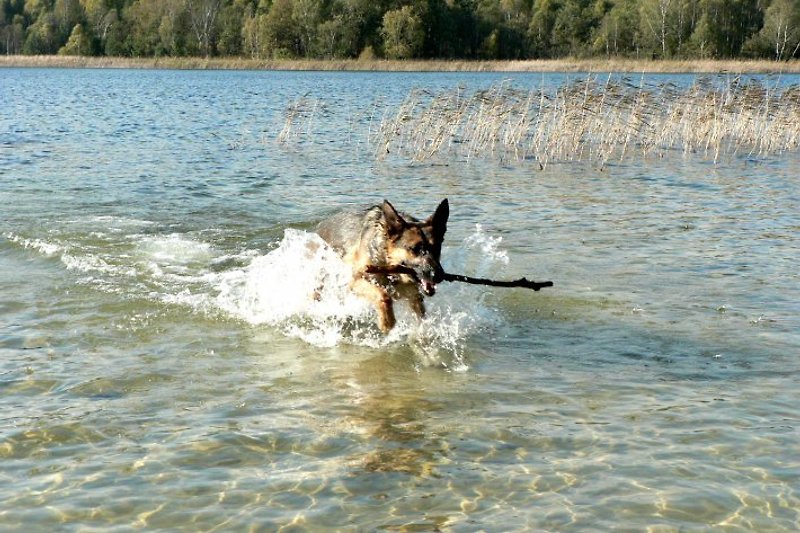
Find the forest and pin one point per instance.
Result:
(404, 29)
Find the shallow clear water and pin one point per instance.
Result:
(163, 365)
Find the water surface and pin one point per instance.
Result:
(162, 364)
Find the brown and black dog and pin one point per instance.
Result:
(379, 239)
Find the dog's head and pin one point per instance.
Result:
(417, 244)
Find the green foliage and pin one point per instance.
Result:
(144, 19)
(403, 33)
(12, 35)
(573, 26)
(115, 36)
(489, 29)
(78, 43)
(201, 16)
(43, 37)
(540, 29)
(616, 33)
(780, 35)
(230, 34)
(501, 28)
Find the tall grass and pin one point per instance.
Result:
(599, 64)
(596, 120)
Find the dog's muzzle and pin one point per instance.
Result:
(428, 288)
(428, 278)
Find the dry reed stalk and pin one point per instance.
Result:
(596, 121)
(552, 65)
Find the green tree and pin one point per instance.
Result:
(362, 20)
(657, 26)
(10, 9)
(231, 21)
(203, 18)
(403, 34)
(703, 39)
(33, 9)
(97, 21)
(573, 26)
(617, 32)
(115, 36)
(174, 33)
(666, 26)
(404, 28)
(728, 25)
(540, 28)
(780, 35)
(143, 19)
(157, 27)
(688, 17)
(338, 34)
(280, 35)
(42, 36)
(12, 35)
(745, 19)
(330, 36)
(452, 29)
(503, 27)
(78, 43)
(253, 36)
(306, 15)
(68, 14)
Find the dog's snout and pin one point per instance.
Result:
(430, 272)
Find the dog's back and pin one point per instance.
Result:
(349, 231)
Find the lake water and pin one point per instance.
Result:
(163, 365)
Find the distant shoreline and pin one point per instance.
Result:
(554, 65)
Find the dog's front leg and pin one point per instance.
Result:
(410, 292)
(380, 299)
(418, 305)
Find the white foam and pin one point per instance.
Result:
(43, 247)
(175, 249)
(173, 254)
(489, 247)
(92, 264)
(70, 256)
(301, 288)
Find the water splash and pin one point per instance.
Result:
(39, 245)
(300, 288)
(173, 254)
(296, 287)
(489, 247)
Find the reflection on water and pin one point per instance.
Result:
(164, 366)
(396, 418)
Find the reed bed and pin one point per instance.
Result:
(594, 120)
(597, 64)
(299, 118)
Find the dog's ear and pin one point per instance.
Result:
(395, 223)
(438, 226)
(438, 221)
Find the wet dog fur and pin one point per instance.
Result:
(381, 238)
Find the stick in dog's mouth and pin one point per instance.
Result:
(429, 285)
(428, 288)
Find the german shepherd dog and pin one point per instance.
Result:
(381, 238)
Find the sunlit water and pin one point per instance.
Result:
(163, 363)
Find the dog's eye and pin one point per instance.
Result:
(418, 248)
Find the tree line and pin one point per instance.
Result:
(401, 29)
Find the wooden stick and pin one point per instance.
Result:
(521, 282)
(400, 269)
